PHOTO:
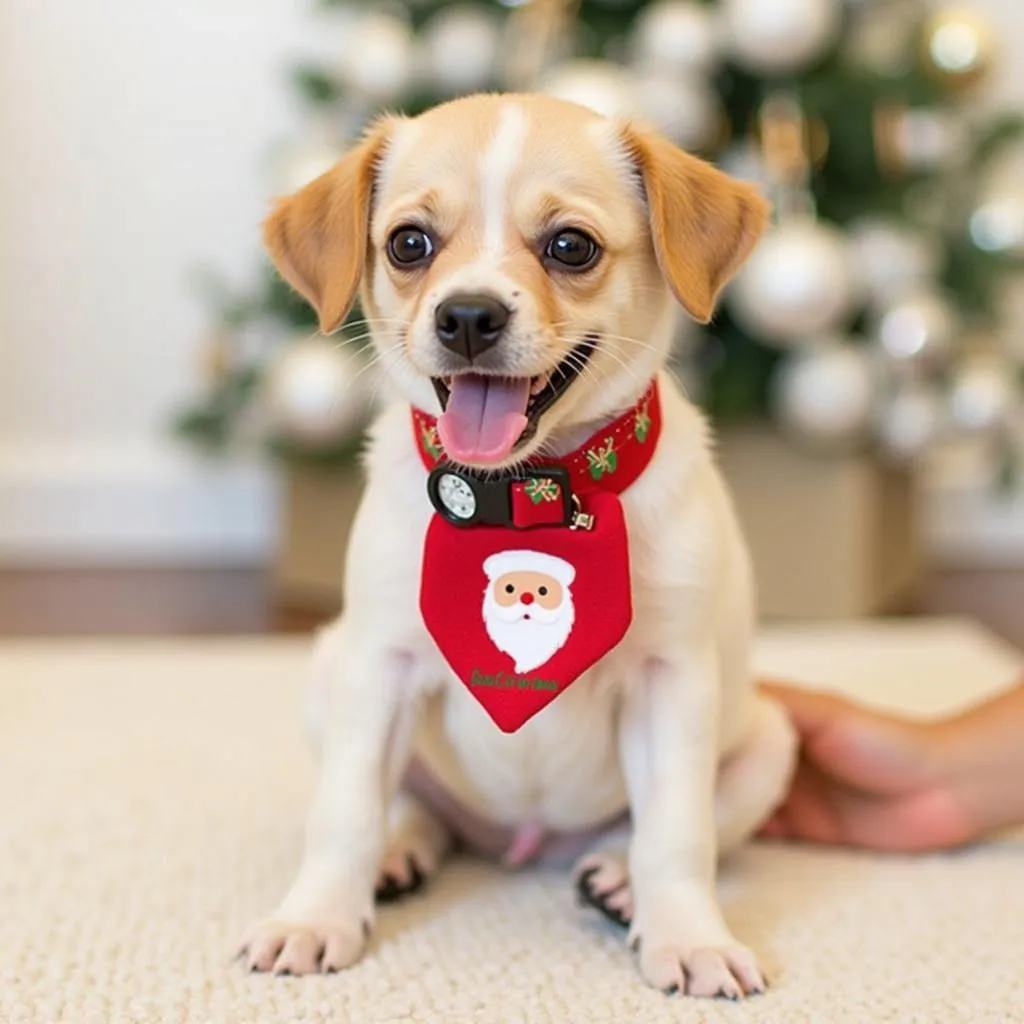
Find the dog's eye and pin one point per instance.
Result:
(409, 246)
(573, 250)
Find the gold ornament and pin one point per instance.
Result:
(217, 357)
(315, 392)
(957, 48)
(791, 142)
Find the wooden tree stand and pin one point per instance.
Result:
(831, 538)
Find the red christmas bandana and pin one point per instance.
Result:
(526, 579)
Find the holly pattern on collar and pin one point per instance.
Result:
(541, 489)
(642, 420)
(430, 441)
(611, 460)
(603, 459)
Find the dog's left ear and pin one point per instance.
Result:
(318, 237)
(704, 223)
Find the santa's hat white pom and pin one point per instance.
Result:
(505, 562)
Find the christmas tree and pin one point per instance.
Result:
(874, 313)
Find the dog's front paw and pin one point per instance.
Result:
(286, 947)
(727, 972)
(683, 946)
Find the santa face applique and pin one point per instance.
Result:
(519, 615)
(528, 607)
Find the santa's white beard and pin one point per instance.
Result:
(528, 642)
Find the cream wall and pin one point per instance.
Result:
(132, 135)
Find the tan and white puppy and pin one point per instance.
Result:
(497, 240)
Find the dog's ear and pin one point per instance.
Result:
(704, 223)
(318, 237)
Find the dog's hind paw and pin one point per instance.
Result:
(416, 848)
(400, 875)
(602, 882)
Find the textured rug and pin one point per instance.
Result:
(152, 796)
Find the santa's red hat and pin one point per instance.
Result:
(505, 562)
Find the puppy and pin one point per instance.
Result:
(527, 255)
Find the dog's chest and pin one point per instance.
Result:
(560, 771)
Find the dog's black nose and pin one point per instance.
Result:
(471, 324)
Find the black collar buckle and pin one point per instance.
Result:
(466, 497)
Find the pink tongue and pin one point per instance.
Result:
(484, 419)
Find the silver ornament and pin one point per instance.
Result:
(825, 393)
(609, 89)
(378, 63)
(461, 47)
(918, 330)
(800, 283)
(780, 36)
(675, 36)
(893, 258)
(983, 395)
(315, 393)
(926, 138)
(910, 422)
(685, 109)
(958, 47)
(743, 161)
(997, 223)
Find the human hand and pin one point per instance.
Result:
(870, 780)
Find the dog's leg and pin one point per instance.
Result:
(669, 737)
(325, 920)
(756, 779)
(417, 844)
(751, 784)
(327, 644)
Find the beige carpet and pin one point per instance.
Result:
(151, 805)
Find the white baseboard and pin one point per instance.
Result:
(131, 503)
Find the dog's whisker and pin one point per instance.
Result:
(363, 320)
(619, 359)
(632, 341)
(355, 339)
(605, 336)
(391, 356)
(343, 333)
(377, 360)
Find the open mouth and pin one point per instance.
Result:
(486, 418)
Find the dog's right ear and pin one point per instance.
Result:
(318, 237)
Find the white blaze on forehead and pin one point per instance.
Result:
(496, 167)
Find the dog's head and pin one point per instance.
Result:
(518, 258)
